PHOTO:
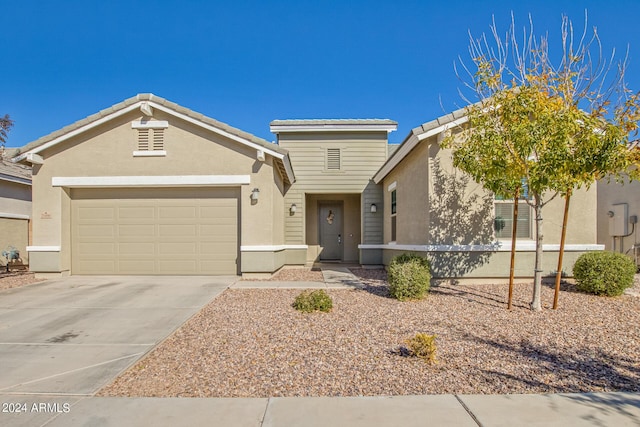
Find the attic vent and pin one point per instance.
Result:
(333, 159)
(143, 139)
(158, 139)
(150, 139)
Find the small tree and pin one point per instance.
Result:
(555, 126)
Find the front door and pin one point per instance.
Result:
(331, 238)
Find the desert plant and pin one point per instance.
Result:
(309, 301)
(423, 346)
(604, 273)
(409, 277)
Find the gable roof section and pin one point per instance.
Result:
(147, 100)
(315, 125)
(417, 135)
(12, 172)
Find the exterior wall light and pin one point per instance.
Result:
(374, 208)
(254, 194)
(293, 208)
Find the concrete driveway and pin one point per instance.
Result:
(71, 336)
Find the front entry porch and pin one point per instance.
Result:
(333, 227)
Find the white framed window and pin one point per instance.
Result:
(394, 216)
(503, 220)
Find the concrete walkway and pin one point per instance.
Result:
(562, 410)
(22, 406)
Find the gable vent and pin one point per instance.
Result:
(333, 159)
(158, 139)
(143, 139)
(150, 139)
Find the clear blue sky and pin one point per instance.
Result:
(249, 62)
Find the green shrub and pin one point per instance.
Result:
(422, 346)
(409, 277)
(604, 273)
(309, 301)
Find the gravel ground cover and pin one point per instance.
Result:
(16, 279)
(252, 343)
(297, 274)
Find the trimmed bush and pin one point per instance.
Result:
(604, 273)
(409, 277)
(423, 346)
(309, 301)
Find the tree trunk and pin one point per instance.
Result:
(514, 233)
(561, 253)
(537, 275)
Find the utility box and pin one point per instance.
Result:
(619, 220)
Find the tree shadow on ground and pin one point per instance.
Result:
(610, 404)
(458, 217)
(586, 369)
(476, 296)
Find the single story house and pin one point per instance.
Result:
(150, 187)
(15, 208)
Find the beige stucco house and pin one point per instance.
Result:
(433, 209)
(15, 209)
(150, 187)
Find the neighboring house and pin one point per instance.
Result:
(15, 208)
(150, 187)
(618, 212)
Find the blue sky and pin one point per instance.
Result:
(249, 62)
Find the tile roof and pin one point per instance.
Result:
(158, 100)
(12, 171)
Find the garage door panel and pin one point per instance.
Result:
(182, 212)
(98, 248)
(139, 213)
(95, 231)
(96, 213)
(166, 233)
(173, 230)
(217, 267)
(220, 231)
(137, 230)
(178, 266)
(137, 249)
(137, 266)
(178, 248)
(224, 211)
(108, 266)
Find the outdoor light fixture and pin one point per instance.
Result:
(374, 208)
(293, 208)
(254, 194)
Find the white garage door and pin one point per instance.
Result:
(154, 231)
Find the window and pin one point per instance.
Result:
(503, 222)
(393, 215)
(333, 159)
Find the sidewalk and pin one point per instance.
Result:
(601, 409)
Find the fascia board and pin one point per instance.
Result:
(410, 144)
(333, 127)
(149, 181)
(78, 131)
(217, 130)
(15, 179)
